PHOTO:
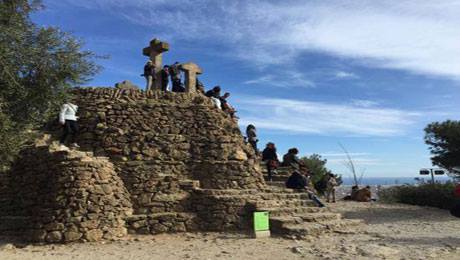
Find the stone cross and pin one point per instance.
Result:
(154, 51)
(191, 71)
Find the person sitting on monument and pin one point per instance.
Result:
(291, 157)
(68, 119)
(226, 106)
(298, 181)
(251, 136)
(164, 78)
(150, 75)
(200, 86)
(270, 158)
(174, 73)
(214, 94)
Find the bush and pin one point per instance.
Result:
(437, 195)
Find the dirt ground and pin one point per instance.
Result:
(392, 232)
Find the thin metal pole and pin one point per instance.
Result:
(432, 176)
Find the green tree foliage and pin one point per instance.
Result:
(317, 168)
(37, 67)
(444, 141)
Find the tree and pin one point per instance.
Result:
(444, 141)
(38, 66)
(316, 166)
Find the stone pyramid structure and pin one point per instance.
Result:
(150, 162)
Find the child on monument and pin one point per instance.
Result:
(226, 106)
(68, 119)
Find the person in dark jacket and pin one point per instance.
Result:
(164, 78)
(291, 157)
(271, 159)
(174, 73)
(150, 75)
(251, 135)
(298, 181)
(214, 94)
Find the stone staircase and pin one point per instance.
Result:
(294, 215)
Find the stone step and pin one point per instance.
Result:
(292, 211)
(283, 203)
(276, 178)
(280, 184)
(167, 222)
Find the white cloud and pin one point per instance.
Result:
(416, 36)
(294, 116)
(288, 79)
(345, 75)
(364, 103)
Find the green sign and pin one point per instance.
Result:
(261, 221)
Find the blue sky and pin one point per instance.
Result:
(309, 74)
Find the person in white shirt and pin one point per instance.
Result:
(68, 118)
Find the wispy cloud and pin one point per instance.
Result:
(416, 36)
(364, 103)
(295, 116)
(345, 75)
(288, 79)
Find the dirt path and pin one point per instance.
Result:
(393, 232)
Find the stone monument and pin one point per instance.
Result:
(155, 52)
(191, 71)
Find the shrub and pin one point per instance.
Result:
(437, 195)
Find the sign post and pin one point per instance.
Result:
(261, 224)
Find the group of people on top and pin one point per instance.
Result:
(173, 73)
(166, 73)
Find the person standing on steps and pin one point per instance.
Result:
(150, 75)
(251, 135)
(270, 157)
(68, 119)
(164, 78)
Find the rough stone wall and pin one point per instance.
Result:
(62, 196)
(159, 138)
(150, 162)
